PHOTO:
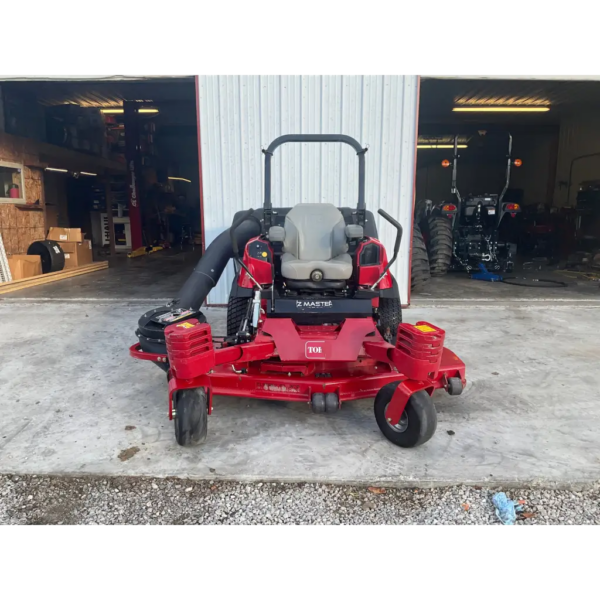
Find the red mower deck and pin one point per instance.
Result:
(256, 369)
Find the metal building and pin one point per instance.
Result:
(240, 115)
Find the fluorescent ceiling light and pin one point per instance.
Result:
(180, 179)
(57, 170)
(501, 109)
(88, 174)
(439, 146)
(120, 111)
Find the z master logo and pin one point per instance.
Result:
(314, 350)
(314, 303)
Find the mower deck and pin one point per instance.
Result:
(256, 370)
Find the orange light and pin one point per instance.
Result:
(445, 163)
(517, 162)
(449, 207)
(513, 207)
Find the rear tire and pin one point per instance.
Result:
(419, 271)
(191, 417)
(236, 311)
(439, 245)
(417, 424)
(390, 316)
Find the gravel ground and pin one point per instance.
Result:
(128, 500)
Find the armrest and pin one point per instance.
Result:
(354, 232)
(276, 234)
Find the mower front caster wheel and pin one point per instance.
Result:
(191, 416)
(417, 424)
(455, 386)
(317, 403)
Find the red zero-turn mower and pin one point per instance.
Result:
(314, 316)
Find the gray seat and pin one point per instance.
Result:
(315, 239)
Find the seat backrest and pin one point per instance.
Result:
(315, 232)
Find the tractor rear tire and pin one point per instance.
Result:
(439, 245)
(236, 311)
(419, 271)
(390, 316)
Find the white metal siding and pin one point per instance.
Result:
(240, 115)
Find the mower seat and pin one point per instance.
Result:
(315, 240)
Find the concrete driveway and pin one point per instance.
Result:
(73, 401)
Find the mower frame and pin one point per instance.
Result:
(320, 345)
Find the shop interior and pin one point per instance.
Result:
(554, 174)
(97, 144)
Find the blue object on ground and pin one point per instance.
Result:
(506, 510)
(485, 275)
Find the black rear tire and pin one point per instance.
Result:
(439, 245)
(236, 311)
(418, 422)
(51, 255)
(191, 417)
(419, 271)
(390, 316)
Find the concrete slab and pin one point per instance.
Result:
(530, 413)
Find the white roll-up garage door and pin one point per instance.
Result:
(240, 115)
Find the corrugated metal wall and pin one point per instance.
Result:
(240, 115)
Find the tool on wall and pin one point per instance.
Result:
(5, 275)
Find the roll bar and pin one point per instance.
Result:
(318, 138)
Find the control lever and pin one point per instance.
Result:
(398, 227)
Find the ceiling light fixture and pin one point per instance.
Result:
(120, 111)
(88, 174)
(501, 109)
(56, 170)
(439, 146)
(180, 179)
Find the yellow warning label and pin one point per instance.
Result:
(186, 325)
(425, 328)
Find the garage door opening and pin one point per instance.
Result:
(542, 200)
(115, 159)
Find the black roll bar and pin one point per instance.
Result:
(318, 138)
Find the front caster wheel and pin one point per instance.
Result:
(455, 386)
(318, 403)
(191, 417)
(417, 424)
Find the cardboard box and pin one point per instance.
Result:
(24, 265)
(77, 254)
(65, 234)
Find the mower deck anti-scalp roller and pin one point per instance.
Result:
(314, 316)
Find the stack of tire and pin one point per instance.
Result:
(431, 250)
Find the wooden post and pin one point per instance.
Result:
(109, 215)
